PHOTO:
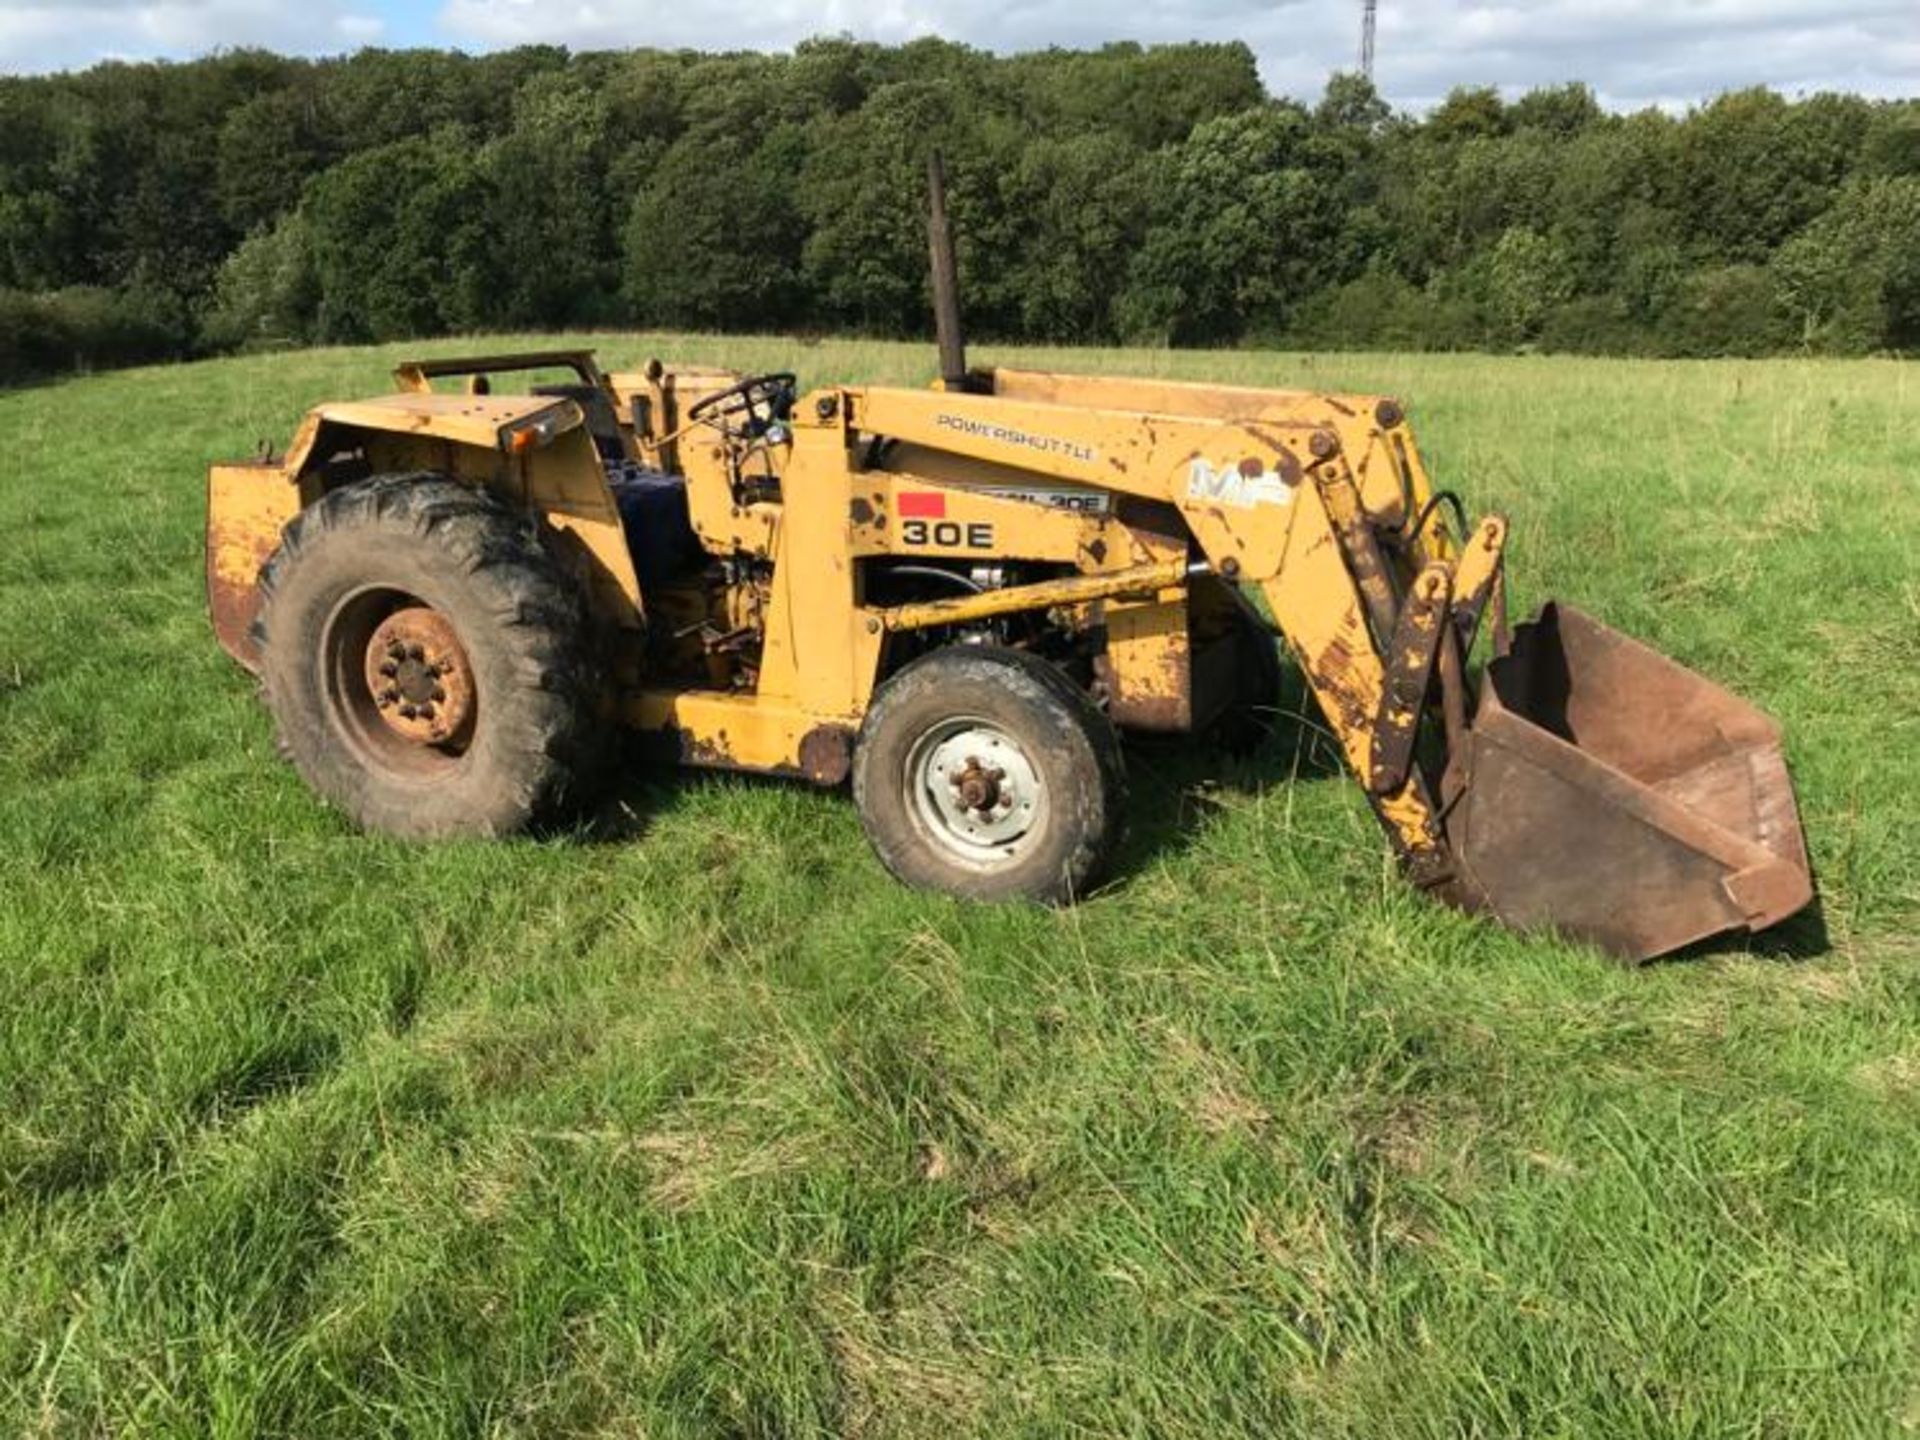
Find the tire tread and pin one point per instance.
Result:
(532, 602)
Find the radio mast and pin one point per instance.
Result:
(1366, 37)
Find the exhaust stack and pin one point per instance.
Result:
(946, 279)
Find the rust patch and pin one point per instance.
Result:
(1329, 671)
(1403, 695)
(1163, 705)
(1146, 668)
(233, 608)
(1162, 714)
(420, 677)
(248, 506)
(1638, 837)
(826, 754)
(714, 752)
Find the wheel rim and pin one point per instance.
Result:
(975, 792)
(398, 684)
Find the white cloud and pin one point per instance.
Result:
(361, 29)
(713, 25)
(1633, 52)
(37, 35)
(1654, 51)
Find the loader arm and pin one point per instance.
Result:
(1372, 429)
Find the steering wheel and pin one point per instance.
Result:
(747, 410)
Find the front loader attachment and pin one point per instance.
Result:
(1614, 795)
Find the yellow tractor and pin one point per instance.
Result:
(958, 598)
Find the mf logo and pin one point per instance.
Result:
(1246, 485)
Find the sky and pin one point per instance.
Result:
(1632, 52)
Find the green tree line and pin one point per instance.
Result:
(1147, 195)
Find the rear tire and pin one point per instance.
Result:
(500, 729)
(986, 773)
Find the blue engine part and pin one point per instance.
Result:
(653, 511)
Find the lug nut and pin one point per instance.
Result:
(389, 669)
(407, 712)
(439, 694)
(416, 652)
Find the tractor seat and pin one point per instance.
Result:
(653, 512)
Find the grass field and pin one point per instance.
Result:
(713, 1130)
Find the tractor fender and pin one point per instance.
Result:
(534, 452)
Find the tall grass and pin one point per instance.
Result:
(712, 1129)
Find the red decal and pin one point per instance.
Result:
(921, 504)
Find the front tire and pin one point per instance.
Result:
(986, 773)
(427, 662)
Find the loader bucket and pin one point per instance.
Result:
(1616, 796)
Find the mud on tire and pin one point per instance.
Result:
(530, 739)
(988, 774)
